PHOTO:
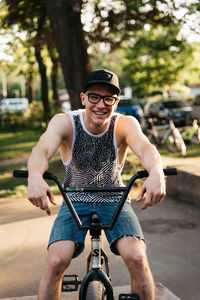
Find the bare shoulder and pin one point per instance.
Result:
(60, 124)
(61, 118)
(127, 124)
(130, 133)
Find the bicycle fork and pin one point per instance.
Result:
(94, 269)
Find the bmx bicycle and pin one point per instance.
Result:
(96, 284)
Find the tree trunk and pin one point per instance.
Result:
(44, 84)
(65, 18)
(30, 87)
(54, 76)
(54, 83)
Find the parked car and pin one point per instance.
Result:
(197, 100)
(196, 108)
(179, 111)
(14, 104)
(127, 106)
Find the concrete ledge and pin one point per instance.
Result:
(162, 293)
(184, 187)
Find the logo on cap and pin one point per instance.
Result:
(104, 76)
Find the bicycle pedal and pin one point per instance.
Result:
(70, 283)
(129, 297)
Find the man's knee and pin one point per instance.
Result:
(57, 263)
(136, 260)
(59, 257)
(133, 252)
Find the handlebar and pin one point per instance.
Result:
(51, 176)
(64, 191)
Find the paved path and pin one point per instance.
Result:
(188, 164)
(172, 231)
(162, 293)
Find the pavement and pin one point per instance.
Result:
(161, 293)
(172, 233)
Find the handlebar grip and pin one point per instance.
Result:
(170, 171)
(167, 172)
(20, 173)
(24, 174)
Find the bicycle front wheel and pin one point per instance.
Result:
(95, 291)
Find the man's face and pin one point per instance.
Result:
(99, 113)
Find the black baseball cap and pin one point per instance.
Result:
(102, 76)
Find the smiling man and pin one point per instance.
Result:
(93, 143)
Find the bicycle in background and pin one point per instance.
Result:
(167, 135)
(96, 285)
(191, 134)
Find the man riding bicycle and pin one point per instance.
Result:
(93, 143)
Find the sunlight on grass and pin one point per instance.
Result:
(192, 150)
(17, 187)
(16, 143)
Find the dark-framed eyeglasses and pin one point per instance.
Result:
(95, 98)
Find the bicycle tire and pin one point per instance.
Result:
(176, 143)
(170, 143)
(95, 291)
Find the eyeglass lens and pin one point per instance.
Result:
(95, 98)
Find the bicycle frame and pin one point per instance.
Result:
(96, 273)
(95, 226)
(170, 136)
(160, 138)
(191, 132)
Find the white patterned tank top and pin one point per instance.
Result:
(93, 161)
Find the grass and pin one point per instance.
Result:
(15, 144)
(192, 150)
(17, 187)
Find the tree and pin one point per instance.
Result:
(78, 25)
(111, 23)
(65, 18)
(23, 60)
(30, 16)
(156, 59)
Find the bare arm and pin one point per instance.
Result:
(38, 190)
(154, 185)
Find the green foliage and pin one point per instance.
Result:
(113, 22)
(35, 112)
(12, 119)
(190, 74)
(33, 117)
(156, 59)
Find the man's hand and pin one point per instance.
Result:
(154, 188)
(38, 194)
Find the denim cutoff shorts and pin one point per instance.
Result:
(64, 227)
